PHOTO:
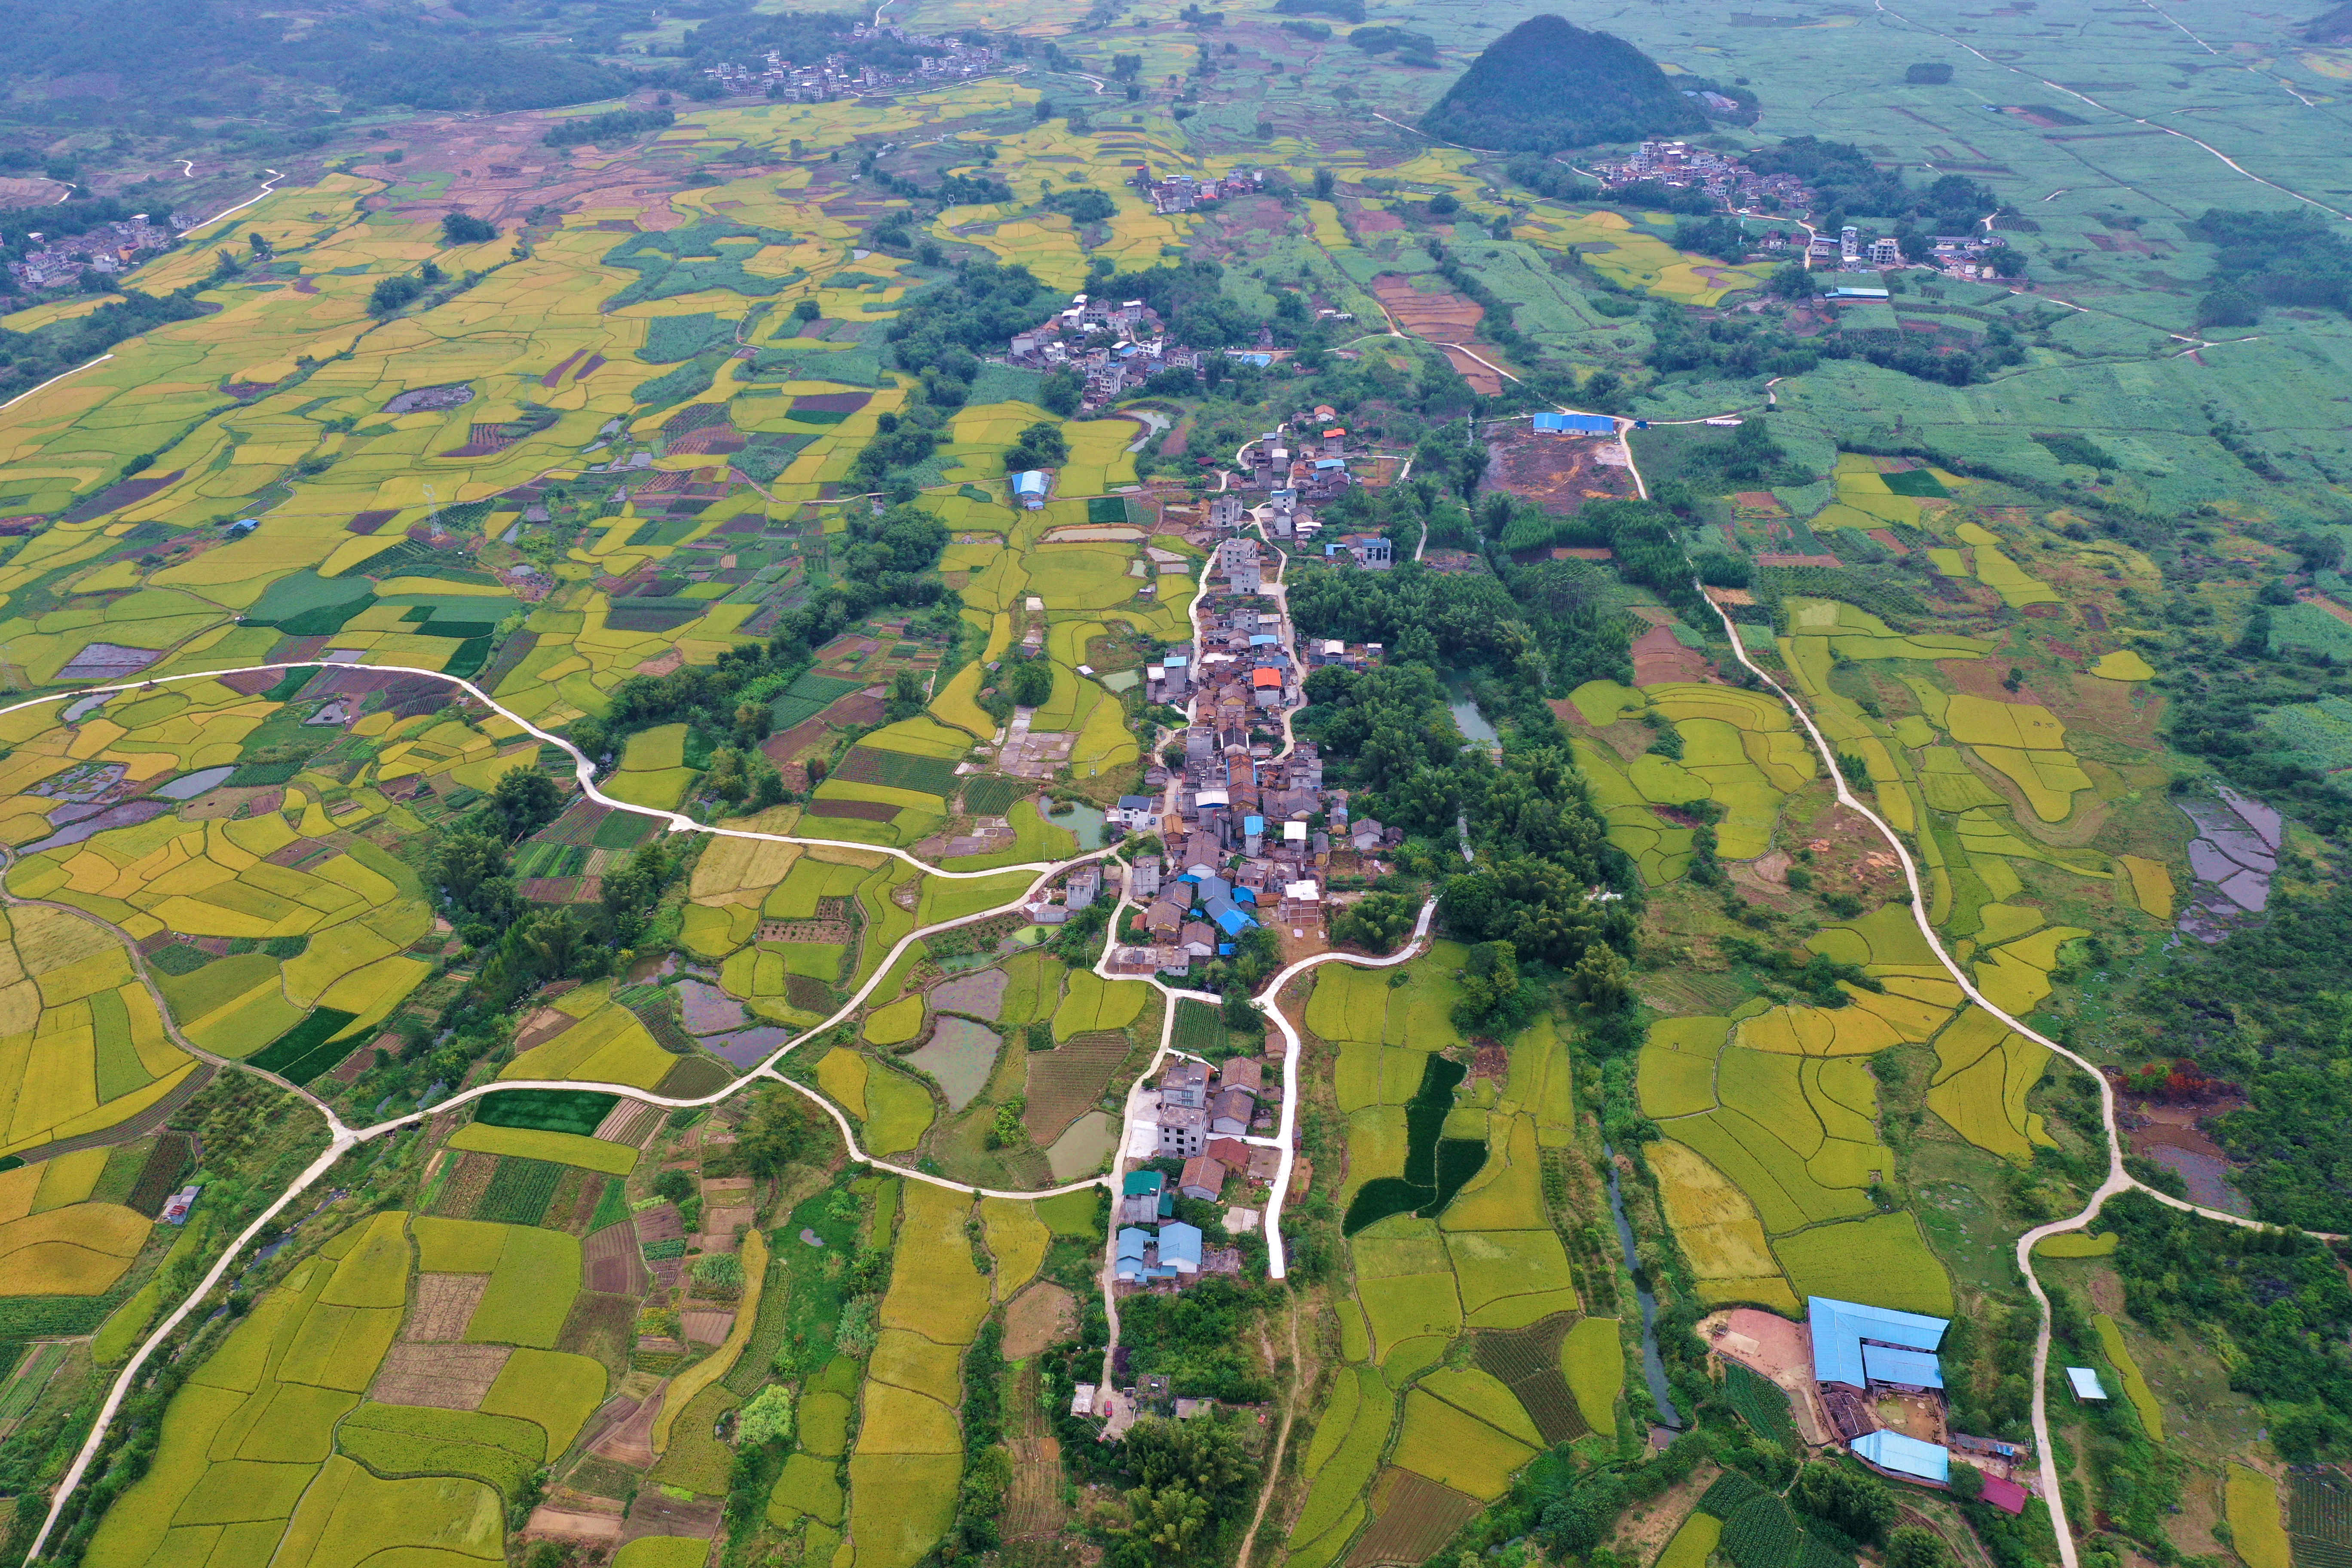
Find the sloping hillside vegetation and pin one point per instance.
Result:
(1549, 84)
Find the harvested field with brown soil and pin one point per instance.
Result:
(629, 1122)
(858, 810)
(1414, 1516)
(630, 1439)
(1040, 1316)
(461, 1194)
(1559, 473)
(1065, 1082)
(1481, 377)
(577, 1520)
(444, 1305)
(707, 1327)
(1441, 317)
(1658, 655)
(655, 1512)
(611, 1263)
(1033, 1507)
(540, 1027)
(445, 1376)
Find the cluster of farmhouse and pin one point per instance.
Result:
(1114, 346)
(1678, 165)
(1250, 836)
(107, 249)
(1183, 193)
(836, 77)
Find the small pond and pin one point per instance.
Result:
(1081, 1150)
(1085, 821)
(708, 1009)
(961, 1054)
(124, 815)
(747, 1047)
(982, 996)
(187, 786)
(1473, 724)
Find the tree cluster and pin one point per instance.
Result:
(2272, 258)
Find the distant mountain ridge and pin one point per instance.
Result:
(2330, 28)
(1549, 84)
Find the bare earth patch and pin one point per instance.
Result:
(447, 1377)
(444, 1305)
(1040, 1316)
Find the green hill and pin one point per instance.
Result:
(1549, 84)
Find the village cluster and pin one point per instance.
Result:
(836, 77)
(1249, 837)
(1218, 1122)
(1182, 193)
(1678, 165)
(1971, 256)
(107, 248)
(1114, 347)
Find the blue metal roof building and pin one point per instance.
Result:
(1575, 423)
(1906, 1455)
(1030, 488)
(1179, 1248)
(1839, 1329)
(1917, 1369)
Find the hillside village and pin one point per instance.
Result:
(107, 249)
(837, 76)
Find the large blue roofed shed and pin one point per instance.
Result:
(1839, 1329)
(1906, 1455)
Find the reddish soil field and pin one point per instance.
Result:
(2314, 596)
(1658, 656)
(1766, 1343)
(1481, 380)
(1559, 473)
(1441, 318)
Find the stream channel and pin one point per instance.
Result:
(1653, 1367)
